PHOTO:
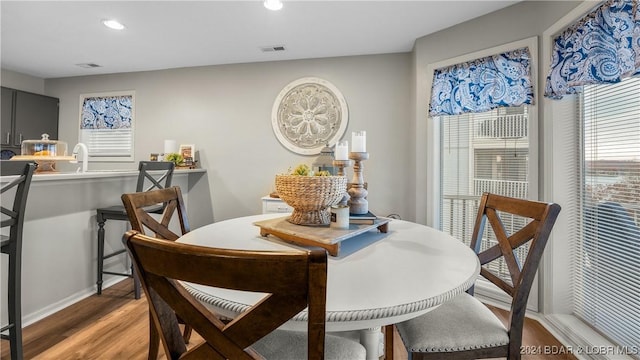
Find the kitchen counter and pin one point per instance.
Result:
(60, 233)
(96, 174)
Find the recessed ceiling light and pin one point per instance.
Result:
(273, 4)
(113, 24)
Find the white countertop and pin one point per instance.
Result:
(96, 174)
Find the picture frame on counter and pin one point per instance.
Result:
(188, 152)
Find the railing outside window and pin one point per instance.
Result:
(459, 216)
(501, 127)
(517, 189)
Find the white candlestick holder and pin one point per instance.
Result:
(358, 203)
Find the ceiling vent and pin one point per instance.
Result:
(88, 65)
(272, 48)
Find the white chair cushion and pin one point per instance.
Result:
(292, 345)
(463, 323)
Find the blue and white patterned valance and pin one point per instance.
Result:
(480, 85)
(109, 112)
(603, 47)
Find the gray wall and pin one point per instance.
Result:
(226, 112)
(22, 82)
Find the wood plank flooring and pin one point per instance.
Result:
(115, 326)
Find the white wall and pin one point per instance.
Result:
(226, 112)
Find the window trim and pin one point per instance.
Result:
(117, 159)
(432, 188)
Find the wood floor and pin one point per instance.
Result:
(115, 326)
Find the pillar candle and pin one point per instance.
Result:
(359, 141)
(339, 217)
(170, 146)
(342, 150)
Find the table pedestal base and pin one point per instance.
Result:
(370, 339)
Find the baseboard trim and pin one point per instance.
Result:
(64, 303)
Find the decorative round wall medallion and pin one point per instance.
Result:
(308, 114)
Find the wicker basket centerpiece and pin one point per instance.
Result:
(310, 196)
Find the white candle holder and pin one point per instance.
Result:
(358, 203)
(341, 164)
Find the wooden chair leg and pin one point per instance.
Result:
(388, 342)
(137, 289)
(154, 340)
(187, 333)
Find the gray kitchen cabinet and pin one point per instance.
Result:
(6, 126)
(26, 116)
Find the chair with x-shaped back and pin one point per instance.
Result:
(464, 328)
(137, 206)
(17, 190)
(291, 282)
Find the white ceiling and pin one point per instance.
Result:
(48, 38)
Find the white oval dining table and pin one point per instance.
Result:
(378, 279)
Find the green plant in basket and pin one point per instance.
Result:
(305, 170)
(174, 158)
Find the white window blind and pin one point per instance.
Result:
(107, 142)
(608, 248)
(484, 152)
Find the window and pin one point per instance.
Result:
(489, 150)
(106, 125)
(608, 247)
(486, 152)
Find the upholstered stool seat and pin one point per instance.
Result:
(292, 345)
(463, 323)
(113, 212)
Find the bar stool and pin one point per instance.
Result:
(12, 246)
(152, 175)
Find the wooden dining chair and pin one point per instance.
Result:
(11, 244)
(290, 281)
(140, 209)
(151, 175)
(464, 328)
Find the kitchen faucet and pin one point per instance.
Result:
(85, 156)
